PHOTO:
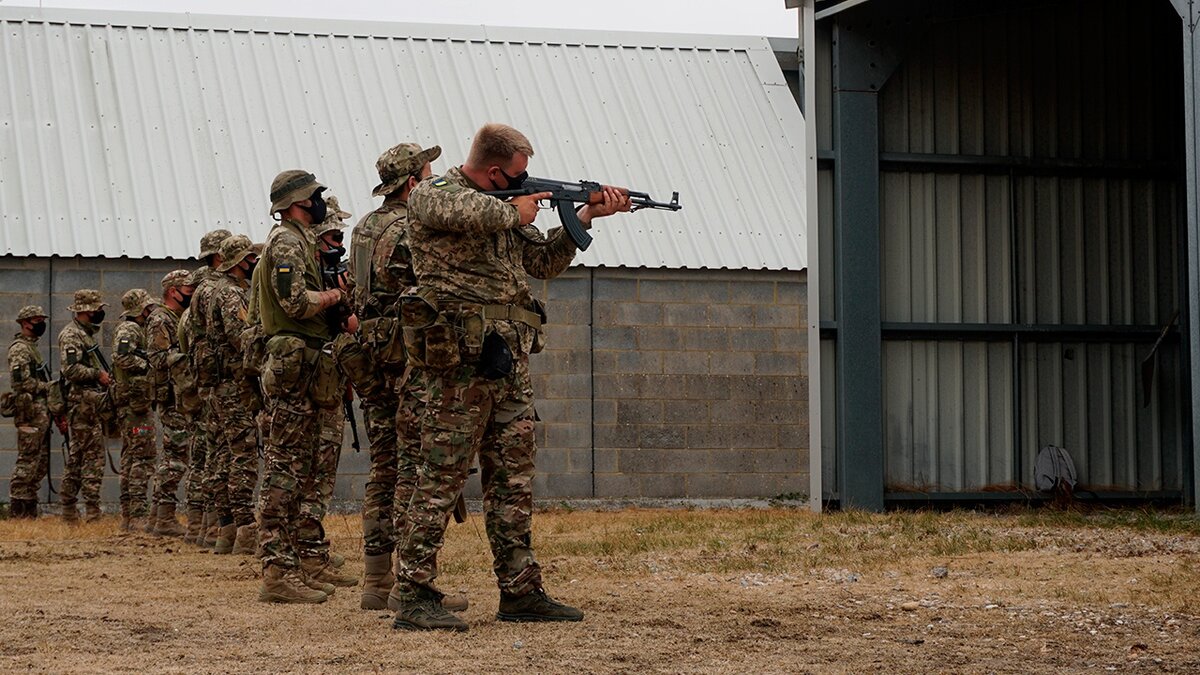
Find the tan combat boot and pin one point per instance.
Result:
(225, 537)
(284, 585)
(165, 523)
(246, 541)
(336, 561)
(212, 525)
(124, 525)
(377, 581)
(320, 570)
(195, 518)
(139, 524)
(327, 589)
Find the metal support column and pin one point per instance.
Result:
(859, 71)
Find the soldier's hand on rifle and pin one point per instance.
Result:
(613, 201)
(60, 421)
(105, 378)
(350, 325)
(527, 207)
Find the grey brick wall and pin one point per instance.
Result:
(654, 383)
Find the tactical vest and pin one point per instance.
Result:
(274, 320)
(362, 253)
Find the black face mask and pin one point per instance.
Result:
(96, 318)
(333, 256)
(514, 182)
(185, 299)
(318, 209)
(39, 329)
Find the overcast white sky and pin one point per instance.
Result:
(722, 17)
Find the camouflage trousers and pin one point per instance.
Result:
(379, 418)
(465, 416)
(85, 462)
(202, 443)
(138, 435)
(173, 460)
(33, 453)
(411, 390)
(293, 444)
(317, 492)
(233, 465)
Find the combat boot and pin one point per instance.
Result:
(225, 537)
(91, 513)
(246, 541)
(535, 606)
(284, 585)
(211, 526)
(139, 524)
(424, 611)
(195, 518)
(336, 560)
(24, 508)
(320, 570)
(124, 525)
(377, 581)
(165, 523)
(327, 589)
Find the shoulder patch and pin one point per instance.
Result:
(283, 279)
(445, 185)
(72, 355)
(123, 346)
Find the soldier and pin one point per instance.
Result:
(381, 260)
(162, 347)
(474, 323)
(299, 378)
(318, 493)
(133, 396)
(30, 385)
(87, 379)
(207, 440)
(236, 398)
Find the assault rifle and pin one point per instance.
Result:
(564, 196)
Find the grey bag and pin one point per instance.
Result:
(1054, 470)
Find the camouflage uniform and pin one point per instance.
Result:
(86, 400)
(286, 286)
(380, 259)
(236, 398)
(30, 383)
(194, 490)
(162, 345)
(470, 251)
(133, 396)
(215, 473)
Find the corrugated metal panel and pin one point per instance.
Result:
(1191, 81)
(132, 134)
(1087, 81)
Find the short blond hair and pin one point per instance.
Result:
(496, 143)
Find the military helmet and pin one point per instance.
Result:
(175, 279)
(234, 250)
(211, 241)
(31, 312)
(86, 300)
(289, 187)
(334, 218)
(399, 162)
(135, 301)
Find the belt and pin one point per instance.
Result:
(309, 341)
(512, 313)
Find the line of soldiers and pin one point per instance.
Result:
(434, 337)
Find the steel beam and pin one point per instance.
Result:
(1026, 166)
(1191, 318)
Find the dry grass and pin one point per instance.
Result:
(667, 591)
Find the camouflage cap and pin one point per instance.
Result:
(175, 279)
(234, 250)
(86, 300)
(211, 241)
(135, 301)
(199, 275)
(289, 187)
(399, 162)
(31, 312)
(334, 218)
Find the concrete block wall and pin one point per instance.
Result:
(654, 383)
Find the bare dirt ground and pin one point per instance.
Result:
(665, 591)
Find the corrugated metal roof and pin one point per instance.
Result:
(129, 134)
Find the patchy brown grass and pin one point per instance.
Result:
(665, 591)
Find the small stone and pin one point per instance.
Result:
(939, 572)
(518, 644)
(911, 606)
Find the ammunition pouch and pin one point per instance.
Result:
(106, 410)
(358, 364)
(254, 350)
(8, 404)
(56, 398)
(284, 370)
(326, 389)
(384, 337)
(187, 395)
(429, 340)
(206, 364)
(496, 360)
(132, 392)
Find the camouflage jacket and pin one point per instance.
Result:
(196, 328)
(79, 356)
(469, 247)
(131, 367)
(30, 374)
(376, 292)
(162, 339)
(227, 318)
(286, 291)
